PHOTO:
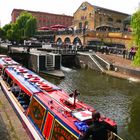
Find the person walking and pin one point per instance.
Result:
(98, 130)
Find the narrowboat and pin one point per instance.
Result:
(46, 111)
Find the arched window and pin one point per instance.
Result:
(118, 21)
(67, 40)
(110, 19)
(86, 24)
(90, 14)
(80, 25)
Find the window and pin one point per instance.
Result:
(90, 14)
(110, 19)
(86, 24)
(118, 21)
(100, 20)
(80, 25)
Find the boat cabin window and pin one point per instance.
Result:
(23, 99)
(9, 81)
(4, 75)
(15, 89)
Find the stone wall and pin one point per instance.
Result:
(86, 62)
(125, 70)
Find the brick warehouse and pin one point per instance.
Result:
(92, 17)
(99, 23)
(45, 19)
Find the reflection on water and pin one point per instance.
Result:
(116, 98)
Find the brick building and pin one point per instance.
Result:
(45, 19)
(94, 17)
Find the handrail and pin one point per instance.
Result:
(94, 60)
(103, 61)
(99, 66)
(117, 136)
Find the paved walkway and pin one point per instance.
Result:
(10, 125)
(118, 60)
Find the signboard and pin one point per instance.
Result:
(60, 132)
(37, 113)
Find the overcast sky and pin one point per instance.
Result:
(67, 7)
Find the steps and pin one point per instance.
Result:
(49, 62)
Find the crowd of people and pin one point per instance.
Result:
(129, 54)
(126, 53)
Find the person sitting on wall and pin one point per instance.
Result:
(98, 130)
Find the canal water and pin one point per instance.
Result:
(115, 98)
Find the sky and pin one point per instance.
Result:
(67, 7)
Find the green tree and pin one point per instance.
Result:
(5, 29)
(30, 27)
(26, 24)
(135, 23)
(23, 28)
(13, 34)
(2, 33)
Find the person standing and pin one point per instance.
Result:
(98, 130)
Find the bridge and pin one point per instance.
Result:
(83, 39)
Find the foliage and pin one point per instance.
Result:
(7, 27)
(2, 33)
(30, 27)
(23, 28)
(27, 25)
(135, 23)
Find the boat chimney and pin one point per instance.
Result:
(74, 95)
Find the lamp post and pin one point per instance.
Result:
(84, 30)
(84, 35)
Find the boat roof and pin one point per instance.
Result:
(48, 93)
(6, 61)
(31, 86)
(20, 75)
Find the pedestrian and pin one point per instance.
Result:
(124, 53)
(98, 130)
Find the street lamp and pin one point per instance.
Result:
(84, 33)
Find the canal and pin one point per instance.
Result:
(115, 98)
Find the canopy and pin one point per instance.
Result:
(44, 28)
(59, 26)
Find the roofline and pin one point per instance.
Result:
(20, 10)
(111, 10)
(102, 8)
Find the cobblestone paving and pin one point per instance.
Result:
(118, 60)
(10, 126)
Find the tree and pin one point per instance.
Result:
(5, 29)
(2, 33)
(135, 23)
(26, 24)
(30, 27)
(23, 28)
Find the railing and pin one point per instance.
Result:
(117, 136)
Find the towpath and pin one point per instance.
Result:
(118, 60)
(10, 126)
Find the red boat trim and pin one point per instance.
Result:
(48, 125)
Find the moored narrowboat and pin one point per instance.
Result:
(46, 111)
